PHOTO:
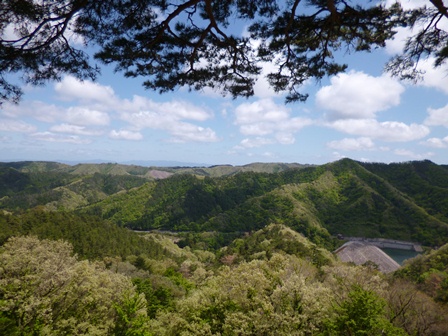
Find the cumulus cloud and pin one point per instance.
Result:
(392, 131)
(264, 117)
(186, 132)
(255, 142)
(356, 95)
(94, 105)
(142, 113)
(433, 77)
(125, 135)
(264, 110)
(437, 117)
(52, 137)
(352, 144)
(436, 142)
(71, 88)
(86, 116)
(50, 113)
(8, 125)
(177, 109)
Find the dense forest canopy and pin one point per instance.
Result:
(405, 201)
(247, 252)
(191, 43)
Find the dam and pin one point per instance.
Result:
(388, 243)
(387, 254)
(359, 253)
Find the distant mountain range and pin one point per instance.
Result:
(406, 201)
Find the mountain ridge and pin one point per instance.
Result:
(407, 201)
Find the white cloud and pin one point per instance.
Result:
(411, 155)
(85, 116)
(264, 117)
(436, 142)
(125, 135)
(74, 129)
(351, 144)
(186, 132)
(148, 119)
(7, 125)
(268, 155)
(143, 113)
(51, 137)
(255, 142)
(285, 138)
(73, 89)
(35, 109)
(9, 33)
(262, 88)
(436, 78)
(437, 117)
(171, 123)
(176, 109)
(396, 44)
(358, 95)
(97, 102)
(264, 110)
(432, 77)
(49, 113)
(392, 131)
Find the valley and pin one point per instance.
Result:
(200, 249)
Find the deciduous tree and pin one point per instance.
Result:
(45, 290)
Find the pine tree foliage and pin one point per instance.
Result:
(191, 42)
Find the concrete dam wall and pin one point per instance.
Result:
(388, 243)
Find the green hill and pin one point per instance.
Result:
(429, 272)
(90, 236)
(407, 201)
(276, 238)
(423, 181)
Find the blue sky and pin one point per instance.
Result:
(362, 114)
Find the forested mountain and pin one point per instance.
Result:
(244, 250)
(406, 201)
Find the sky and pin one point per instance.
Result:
(362, 114)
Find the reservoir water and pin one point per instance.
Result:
(400, 255)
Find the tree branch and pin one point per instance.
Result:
(440, 7)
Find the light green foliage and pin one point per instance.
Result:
(277, 238)
(125, 206)
(45, 290)
(343, 277)
(275, 297)
(275, 281)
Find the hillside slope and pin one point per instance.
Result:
(406, 201)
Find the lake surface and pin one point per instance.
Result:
(400, 255)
